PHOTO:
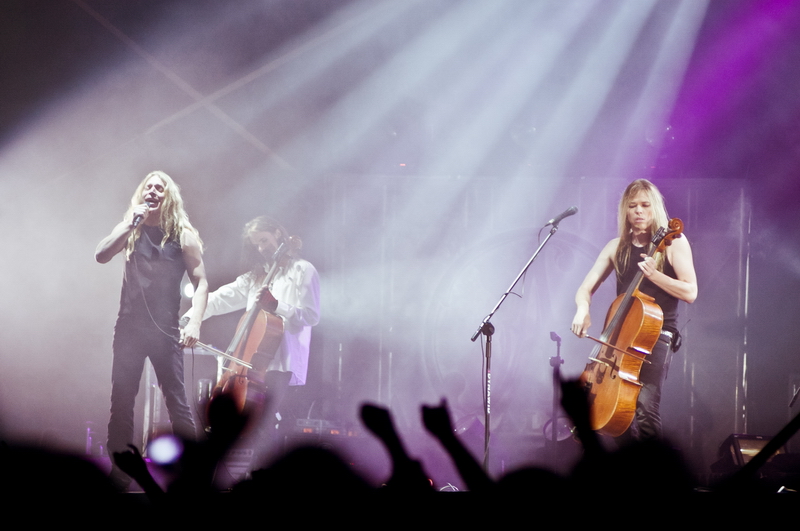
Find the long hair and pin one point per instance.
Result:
(173, 217)
(660, 219)
(251, 259)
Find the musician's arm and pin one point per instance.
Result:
(679, 254)
(193, 258)
(602, 267)
(115, 242)
(227, 298)
(306, 311)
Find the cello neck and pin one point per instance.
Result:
(622, 310)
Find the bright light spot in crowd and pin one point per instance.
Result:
(165, 450)
(188, 290)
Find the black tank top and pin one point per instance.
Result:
(151, 286)
(668, 303)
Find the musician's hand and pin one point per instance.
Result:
(266, 300)
(648, 265)
(190, 334)
(581, 323)
(140, 210)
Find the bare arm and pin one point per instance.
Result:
(193, 258)
(602, 267)
(115, 242)
(679, 254)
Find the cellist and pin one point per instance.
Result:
(669, 279)
(293, 295)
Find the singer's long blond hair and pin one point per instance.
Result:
(174, 219)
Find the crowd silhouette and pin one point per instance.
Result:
(314, 485)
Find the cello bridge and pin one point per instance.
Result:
(607, 364)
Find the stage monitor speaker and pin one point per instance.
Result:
(738, 449)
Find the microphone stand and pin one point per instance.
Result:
(555, 362)
(487, 328)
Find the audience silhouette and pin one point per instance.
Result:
(311, 477)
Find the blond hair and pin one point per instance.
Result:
(173, 217)
(660, 219)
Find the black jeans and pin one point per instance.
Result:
(647, 420)
(131, 346)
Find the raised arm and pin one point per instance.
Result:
(193, 258)
(115, 242)
(602, 267)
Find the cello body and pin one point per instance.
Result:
(245, 385)
(612, 381)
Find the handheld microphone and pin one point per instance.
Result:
(139, 217)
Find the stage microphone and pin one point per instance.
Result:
(138, 217)
(568, 212)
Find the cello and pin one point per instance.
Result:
(633, 325)
(254, 345)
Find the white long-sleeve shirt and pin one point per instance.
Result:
(296, 287)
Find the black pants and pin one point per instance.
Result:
(267, 444)
(131, 346)
(647, 420)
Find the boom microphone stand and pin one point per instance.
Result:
(487, 329)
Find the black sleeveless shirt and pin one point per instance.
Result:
(151, 285)
(668, 303)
